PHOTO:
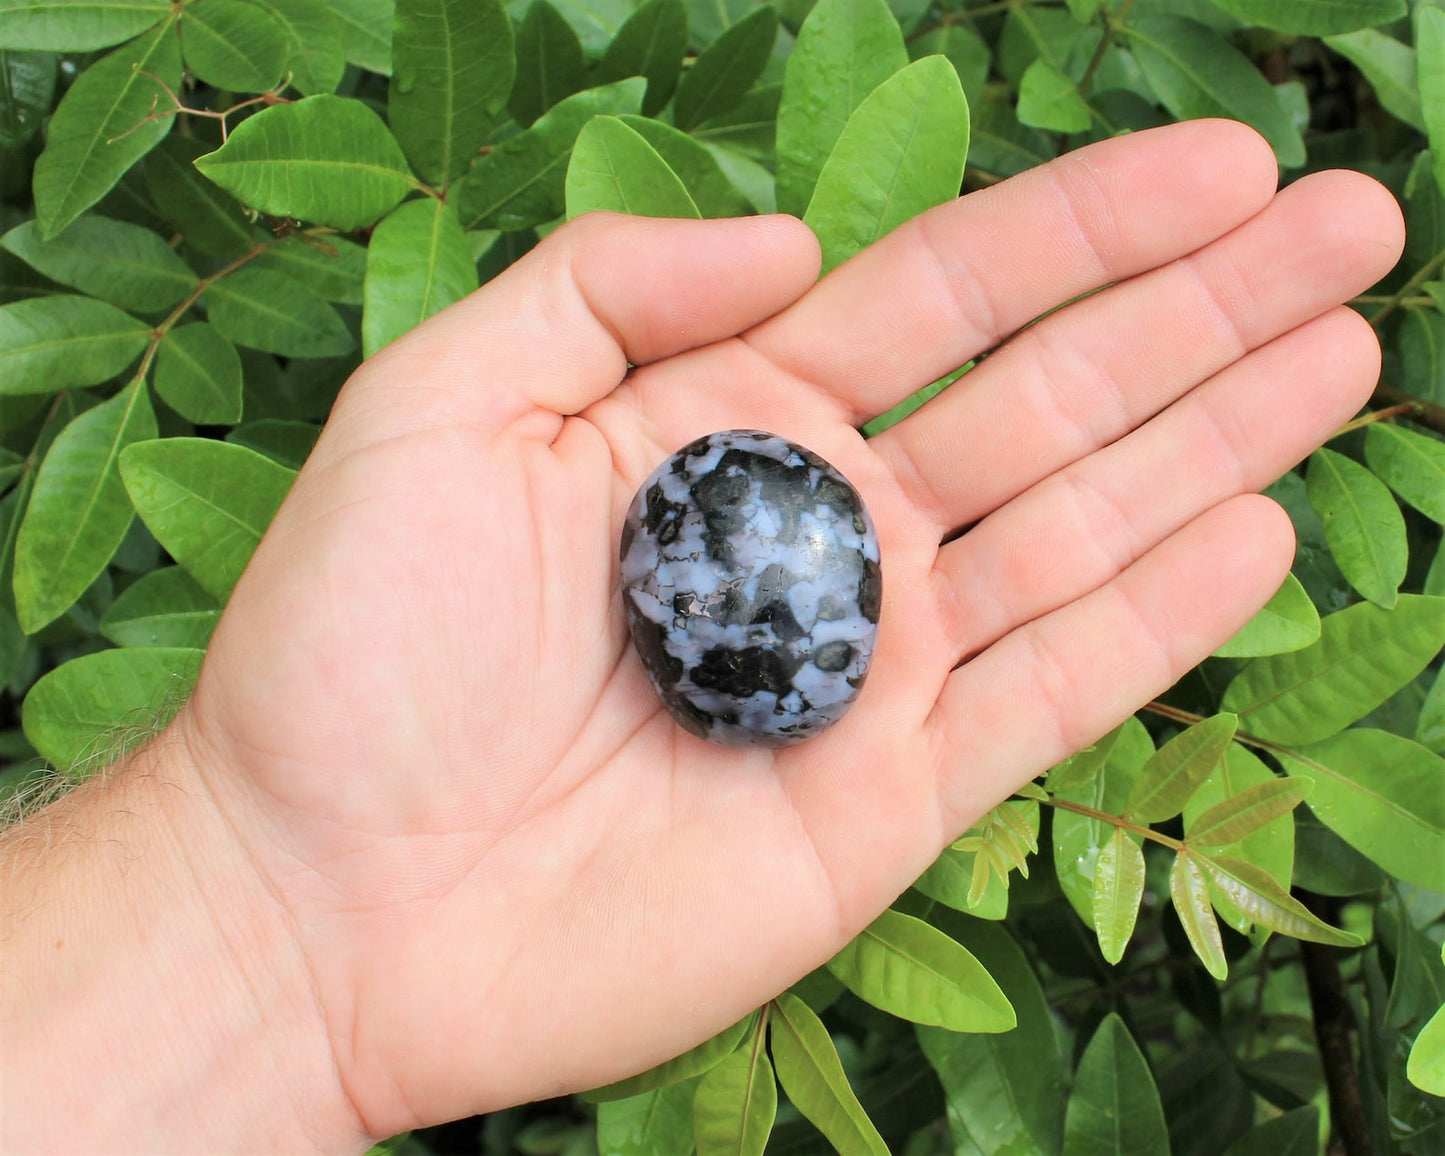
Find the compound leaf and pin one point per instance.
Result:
(417, 264)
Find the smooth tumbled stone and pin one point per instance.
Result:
(751, 582)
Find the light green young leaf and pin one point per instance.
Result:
(318, 50)
(522, 182)
(901, 152)
(614, 168)
(1189, 890)
(1412, 464)
(1384, 795)
(1363, 525)
(208, 217)
(650, 44)
(76, 25)
(90, 710)
(1082, 768)
(1364, 655)
(366, 32)
(78, 512)
(914, 971)
(1197, 73)
(1426, 1065)
(1288, 621)
(264, 310)
(1050, 100)
(53, 343)
(206, 502)
(703, 1058)
(726, 70)
(695, 165)
(812, 1075)
(234, 45)
(325, 159)
(1114, 1107)
(649, 1123)
(736, 1104)
(198, 374)
(452, 67)
(1175, 771)
(1118, 890)
(953, 880)
(1315, 17)
(124, 264)
(166, 607)
(417, 264)
(332, 267)
(1296, 1133)
(845, 49)
(100, 128)
(1242, 814)
(287, 442)
(27, 84)
(550, 64)
(1389, 66)
(1259, 896)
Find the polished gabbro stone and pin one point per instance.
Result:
(751, 582)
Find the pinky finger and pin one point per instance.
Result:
(1058, 683)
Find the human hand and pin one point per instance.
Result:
(506, 872)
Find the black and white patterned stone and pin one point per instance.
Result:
(751, 582)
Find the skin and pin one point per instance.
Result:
(424, 843)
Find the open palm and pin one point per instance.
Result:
(509, 873)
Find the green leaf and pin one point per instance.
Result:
(1288, 621)
(1364, 656)
(100, 128)
(1189, 890)
(452, 67)
(522, 182)
(966, 51)
(208, 217)
(207, 503)
(90, 710)
(614, 168)
(901, 152)
(695, 165)
(693, 1062)
(1050, 100)
(234, 45)
(331, 267)
(318, 49)
(1383, 795)
(651, 44)
(1259, 896)
(1118, 890)
(845, 49)
(550, 64)
(1430, 47)
(76, 25)
(198, 374)
(1422, 353)
(1296, 1133)
(1114, 1107)
(916, 972)
(417, 264)
(1363, 525)
(54, 343)
(287, 442)
(1412, 464)
(735, 1105)
(812, 1075)
(1426, 1065)
(1315, 17)
(709, 19)
(1197, 73)
(1389, 66)
(1242, 814)
(265, 310)
(78, 512)
(951, 881)
(726, 70)
(27, 85)
(324, 159)
(1175, 771)
(649, 1123)
(1430, 728)
(166, 607)
(124, 264)
(366, 32)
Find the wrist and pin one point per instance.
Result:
(152, 994)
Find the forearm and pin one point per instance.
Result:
(152, 997)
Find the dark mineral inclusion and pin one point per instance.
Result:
(751, 582)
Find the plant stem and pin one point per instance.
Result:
(1403, 409)
(1422, 300)
(1112, 22)
(1117, 821)
(1425, 413)
(1398, 298)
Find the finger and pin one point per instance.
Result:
(1057, 684)
(1088, 374)
(557, 330)
(1076, 530)
(958, 279)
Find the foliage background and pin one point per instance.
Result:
(210, 210)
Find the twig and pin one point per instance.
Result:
(1401, 409)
